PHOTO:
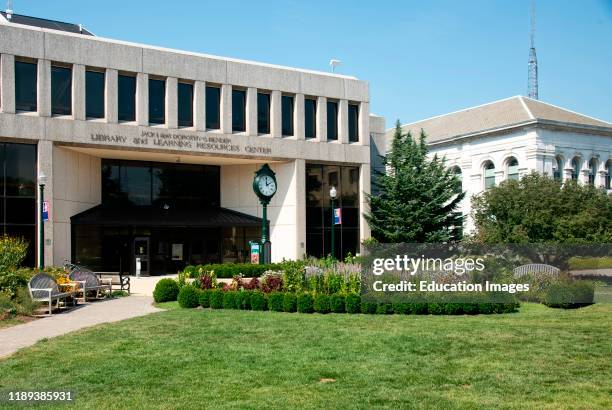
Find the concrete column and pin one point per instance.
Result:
(343, 121)
(226, 108)
(321, 119)
(44, 88)
(364, 123)
(199, 105)
(251, 111)
(7, 83)
(142, 99)
(298, 117)
(171, 102)
(111, 79)
(364, 189)
(45, 165)
(300, 207)
(499, 177)
(600, 180)
(276, 114)
(78, 92)
(583, 176)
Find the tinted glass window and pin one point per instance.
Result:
(238, 110)
(126, 98)
(332, 120)
(185, 105)
(310, 118)
(353, 122)
(18, 189)
(489, 175)
(94, 94)
(287, 114)
(25, 86)
(263, 113)
(213, 108)
(157, 101)
(61, 90)
(513, 172)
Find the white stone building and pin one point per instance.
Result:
(151, 152)
(508, 138)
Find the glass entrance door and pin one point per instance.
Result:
(141, 254)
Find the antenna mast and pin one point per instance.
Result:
(532, 81)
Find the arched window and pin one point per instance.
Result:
(592, 171)
(489, 175)
(609, 176)
(558, 168)
(575, 168)
(457, 172)
(513, 173)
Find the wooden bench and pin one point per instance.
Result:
(119, 280)
(88, 281)
(44, 288)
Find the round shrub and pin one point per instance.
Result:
(166, 290)
(337, 303)
(305, 303)
(402, 308)
(229, 300)
(384, 309)
(204, 298)
(275, 301)
(453, 308)
(216, 299)
(569, 295)
(289, 302)
(188, 297)
(420, 308)
(243, 300)
(368, 307)
(353, 303)
(258, 301)
(321, 303)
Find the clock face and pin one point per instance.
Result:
(266, 185)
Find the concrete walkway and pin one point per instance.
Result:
(106, 311)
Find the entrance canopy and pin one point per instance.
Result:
(159, 217)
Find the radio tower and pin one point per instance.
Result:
(532, 81)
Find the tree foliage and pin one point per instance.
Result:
(416, 199)
(538, 209)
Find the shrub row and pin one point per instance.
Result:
(191, 297)
(229, 270)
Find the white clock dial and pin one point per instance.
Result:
(267, 186)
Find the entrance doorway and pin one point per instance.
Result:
(141, 253)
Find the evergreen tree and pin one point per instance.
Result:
(416, 198)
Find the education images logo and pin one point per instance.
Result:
(436, 275)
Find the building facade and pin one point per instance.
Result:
(506, 139)
(150, 152)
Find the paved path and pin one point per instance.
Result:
(26, 334)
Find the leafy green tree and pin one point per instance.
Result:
(538, 209)
(416, 199)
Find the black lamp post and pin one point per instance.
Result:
(332, 195)
(42, 178)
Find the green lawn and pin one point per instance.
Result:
(178, 359)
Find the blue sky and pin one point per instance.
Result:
(422, 58)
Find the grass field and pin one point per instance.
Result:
(178, 359)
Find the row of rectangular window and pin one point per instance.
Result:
(61, 102)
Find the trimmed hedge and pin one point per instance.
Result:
(216, 299)
(353, 303)
(204, 298)
(290, 302)
(229, 270)
(275, 301)
(229, 300)
(243, 300)
(337, 303)
(166, 290)
(305, 303)
(258, 301)
(188, 297)
(569, 295)
(321, 303)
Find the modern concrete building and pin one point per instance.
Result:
(506, 139)
(150, 152)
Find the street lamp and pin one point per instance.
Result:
(42, 179)
(332, 195)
